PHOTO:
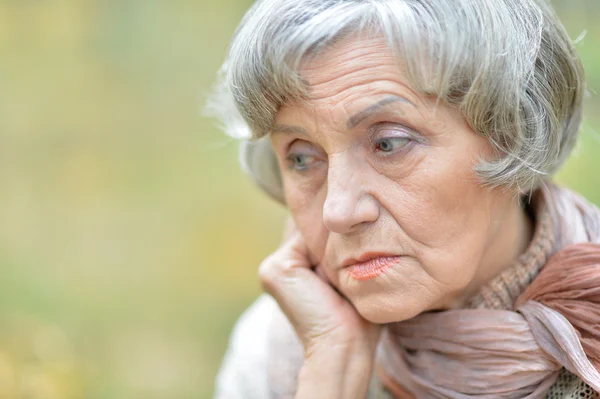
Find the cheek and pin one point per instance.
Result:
(307, 212)
(444, 212)
(434, 200)
(300, 189)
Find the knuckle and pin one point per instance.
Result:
(272, 270)
(268, 273)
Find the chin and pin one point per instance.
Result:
(386, 311)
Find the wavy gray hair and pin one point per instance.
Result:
(508, 65)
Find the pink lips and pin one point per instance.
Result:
(371, 268)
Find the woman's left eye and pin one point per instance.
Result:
(390, 144)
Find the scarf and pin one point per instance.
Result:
(498, 353)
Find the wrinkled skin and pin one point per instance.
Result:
(370, 165)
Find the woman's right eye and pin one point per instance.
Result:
(300, 162)
(302, 155)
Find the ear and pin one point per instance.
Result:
(260, 163)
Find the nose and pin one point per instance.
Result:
(349, 205)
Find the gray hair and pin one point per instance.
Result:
(508, 65)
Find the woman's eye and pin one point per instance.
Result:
(391, 144)
(300, 161)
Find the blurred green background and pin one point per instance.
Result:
(129, 238)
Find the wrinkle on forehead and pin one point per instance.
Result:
(340, 72)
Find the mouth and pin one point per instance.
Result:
(370, 266)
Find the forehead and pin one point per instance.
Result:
(355, 66)
(351, 76)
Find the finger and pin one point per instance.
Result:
(303, 296)
(291, 235)
(289, 229)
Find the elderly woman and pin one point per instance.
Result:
(428, 254)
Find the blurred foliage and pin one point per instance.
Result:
(129, 238)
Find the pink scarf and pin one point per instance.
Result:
(499, 353)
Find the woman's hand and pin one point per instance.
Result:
(339, 344)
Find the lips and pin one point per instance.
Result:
(369, 266)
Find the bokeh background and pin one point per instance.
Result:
(129, 238)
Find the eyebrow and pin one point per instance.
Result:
(364, 114)
(288, 129)
(353, 121)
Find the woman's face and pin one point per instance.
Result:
(373, 170)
